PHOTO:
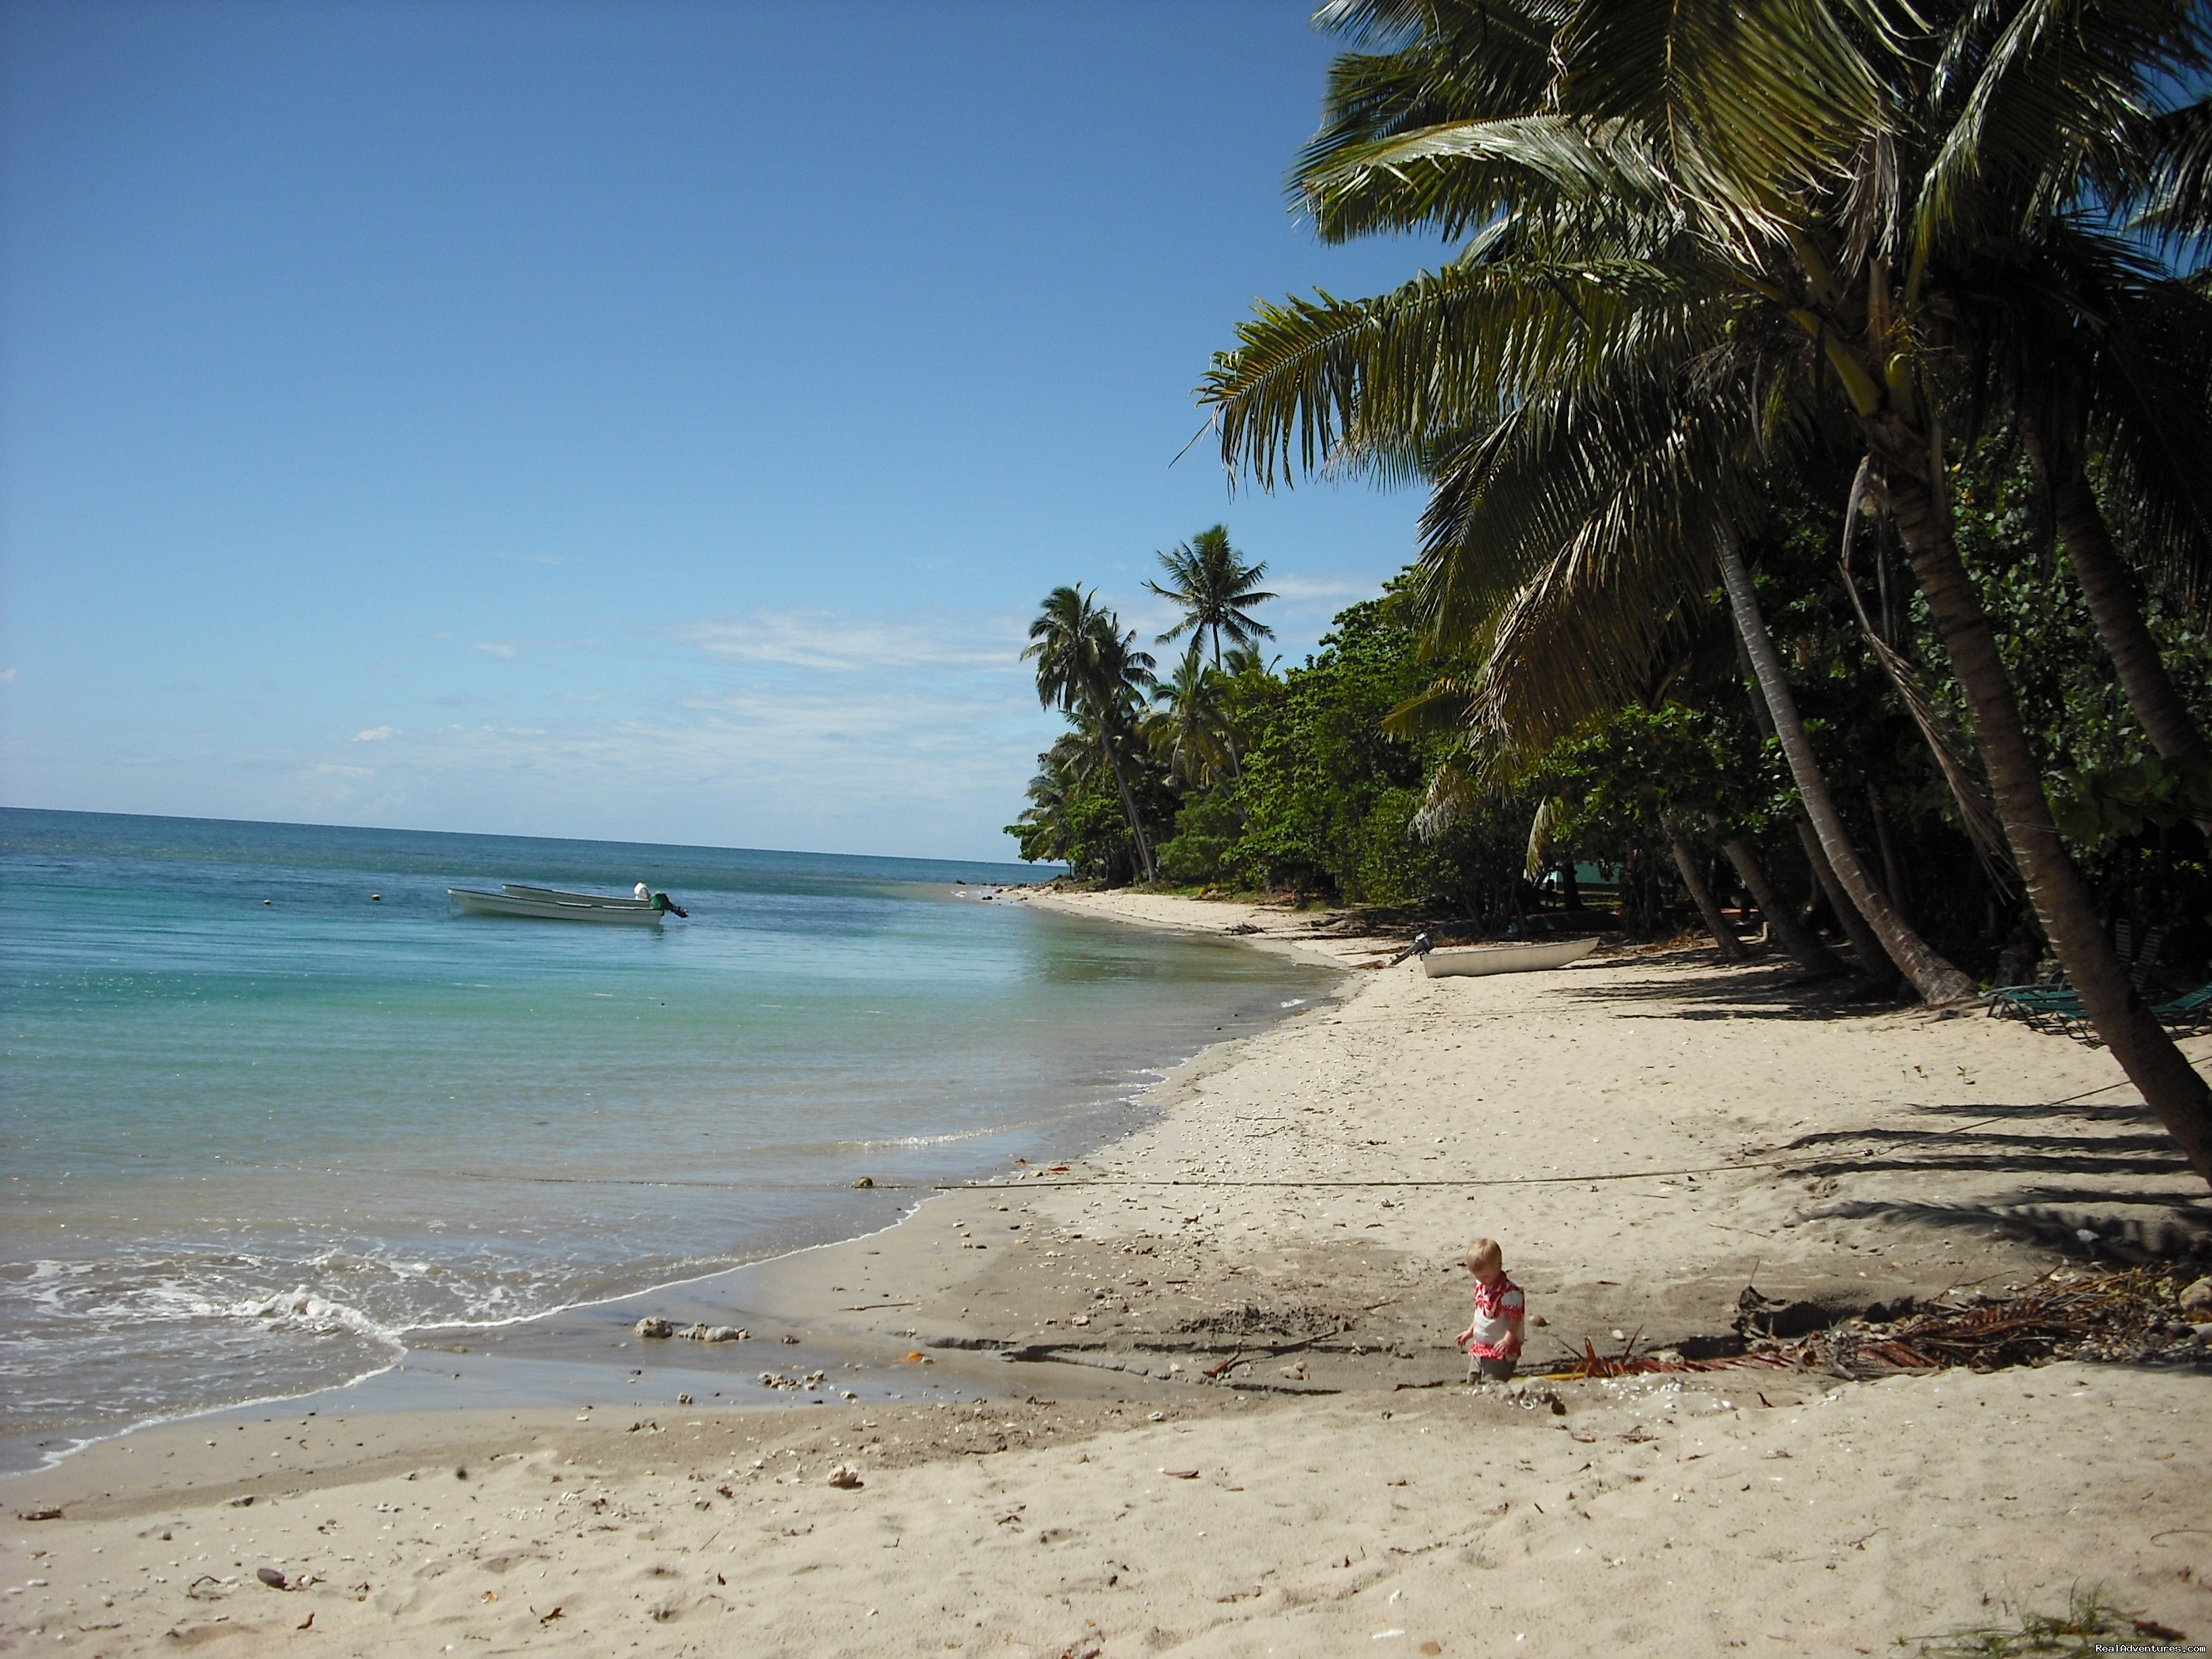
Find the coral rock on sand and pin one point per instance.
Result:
(725, 1333)
(655, 1327)
(846, 1478)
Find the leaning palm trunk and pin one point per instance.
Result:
(1129, 811)
(1701, 892)
(1934, 977)
(1866, 944)
(1782, 921)
(2109, 588)
(2170, 1086)
(1873, 964)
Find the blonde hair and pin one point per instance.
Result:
(1484, 1253)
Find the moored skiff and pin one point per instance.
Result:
(552, 904)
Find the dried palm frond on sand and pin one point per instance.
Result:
(2136, 1316)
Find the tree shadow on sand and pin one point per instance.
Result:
(1986, 1150)
(1770, 991)
(2159, 1226)
(1990, 1111)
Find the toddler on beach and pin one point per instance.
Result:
(1492, 1338)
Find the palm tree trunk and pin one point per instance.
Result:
(2063, 904)
(1874, 966)
(1800, 941)
(1129, 811)
(2115, 604)
(1934, 977)
(1701, 892)
(1892, 871)
(1879, 972)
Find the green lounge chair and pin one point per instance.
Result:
(2192, 1012)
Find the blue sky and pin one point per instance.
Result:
(643, 421)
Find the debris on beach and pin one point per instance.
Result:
(2141, 1315)
(775, 1380)
(846, 1478)
(655, 1327)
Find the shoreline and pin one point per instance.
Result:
(556, 1374)
(1333, 1483)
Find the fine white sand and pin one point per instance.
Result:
(1646, 1134)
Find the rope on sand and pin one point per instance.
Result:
(1018, 1184)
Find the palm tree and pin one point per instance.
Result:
(2100, 358)
(1208, 579)
(1190, 728)
(1088, 668)
(1661, 188)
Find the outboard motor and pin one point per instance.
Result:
(1421, 946)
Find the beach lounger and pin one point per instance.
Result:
(2192, 1012)
(2054, 1005)
(2145, 963)
(2052, 1002)
(2058, 1008)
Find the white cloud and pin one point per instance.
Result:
(7, 677)
(893, 733)
(1309, 590)
(844, 641)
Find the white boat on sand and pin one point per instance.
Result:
(1469, 959)
(640, 907)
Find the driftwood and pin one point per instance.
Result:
(2133, 1316)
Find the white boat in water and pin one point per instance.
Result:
(1505, 959)
(639, 907)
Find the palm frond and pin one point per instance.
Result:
(1434, 358)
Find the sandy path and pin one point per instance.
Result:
(1646, 1134)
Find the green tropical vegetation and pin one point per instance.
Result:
(1815, 418)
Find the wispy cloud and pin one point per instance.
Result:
(840, 729)
(7, 677)
(844, 641)
(1340, 589)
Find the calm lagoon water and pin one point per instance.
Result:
(249, 1145)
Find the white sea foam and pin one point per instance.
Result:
(303, 1310)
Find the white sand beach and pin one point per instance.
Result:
(1225, 1416)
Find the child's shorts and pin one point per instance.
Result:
(1490, 1370)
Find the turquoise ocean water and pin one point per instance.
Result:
(248, 1146)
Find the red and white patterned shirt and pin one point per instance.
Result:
(1497, 1310)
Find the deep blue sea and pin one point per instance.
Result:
(259, 1122)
